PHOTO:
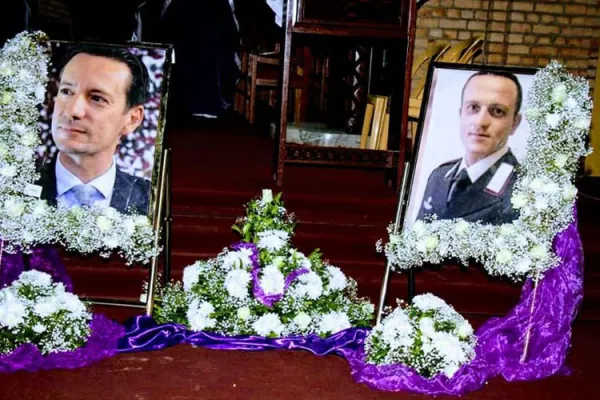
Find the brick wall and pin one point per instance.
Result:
(518, 32)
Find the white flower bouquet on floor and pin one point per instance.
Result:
(35, 310)
(263, 286)
(428, 336)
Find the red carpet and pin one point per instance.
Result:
(183, 372)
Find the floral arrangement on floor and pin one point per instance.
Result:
(25, 220)
(263, 286)
(427, 335)
(559, 116)
(35, 310)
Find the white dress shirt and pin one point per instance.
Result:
(65, 181)
(477, 170)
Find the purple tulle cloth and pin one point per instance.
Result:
(144, 334)
(43, 258)
(501, 341)
(102, 342)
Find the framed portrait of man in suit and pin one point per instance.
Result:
(102, 125)
(471, 136)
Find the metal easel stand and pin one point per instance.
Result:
(162, 218)
(398, 224)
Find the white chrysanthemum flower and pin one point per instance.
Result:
(141, 220)
(73, 304)
(111, 213)
(310, 285)
(39, 328)
(129, 226)
(431, 242)
(302, 320)
(519, 200)
(47, 306)
(243, 313)
(198, 315)
(34, 278)
(523, 265)
(583, 123)
(561, 160)
(237, 259)
(333, 322)
(569, 192)
(571, 103)
(507, 230)
(5, 69)
(103, 223)
(504, 256)
(273, 240)
(29, 138)
(267, 195)
(559, 93)
(337, 279)
(427, 327)
(419, 228)
(461, 227)
(428, 301)
(12, 310)
(538, 252)
(236, 283)
(550, 188)
(449, 347)
(191, 274)
(272, 280)
(553, 120)
(40, 208)
(300, 258)
(8, 171)
(397, 331)
(464, 330)
(536, 184)
(450, 369)
(541, 204)
(268, 324)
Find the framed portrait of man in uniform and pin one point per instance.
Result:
(471, 137)
(102, 125)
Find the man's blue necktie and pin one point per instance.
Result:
(84, 194)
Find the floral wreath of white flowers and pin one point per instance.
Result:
(427, 335)
(559, 115)
(35, 310)
(263, 285)
(27, 221)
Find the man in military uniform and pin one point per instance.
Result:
(478, 186)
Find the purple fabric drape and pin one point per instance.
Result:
(144, 334)
(43, 258)
(501, 341)
(102, 343)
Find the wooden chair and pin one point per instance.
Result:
(264, 73)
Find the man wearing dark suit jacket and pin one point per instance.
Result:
(478, 186)
(100, 98)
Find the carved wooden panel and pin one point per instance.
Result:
(350, 11)
(303, 154)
